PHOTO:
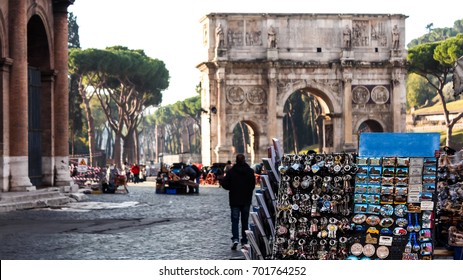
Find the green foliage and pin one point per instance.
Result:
(299, 125)
(181, 118)
(435, 62)
(76, 122)
(126, 82)
(73, 32)
(116, 66)
(438, 34)
(422, 62)
(448, 51)
(419, 92)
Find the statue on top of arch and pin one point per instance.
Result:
(272, 38)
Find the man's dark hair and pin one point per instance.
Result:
(240, 159)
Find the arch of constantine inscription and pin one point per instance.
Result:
(353, 64)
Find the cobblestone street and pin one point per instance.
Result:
(138, 225)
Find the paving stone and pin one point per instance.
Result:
(149, 226)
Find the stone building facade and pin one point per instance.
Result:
(33, 94)
(353, 64)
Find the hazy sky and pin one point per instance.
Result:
(170, 30)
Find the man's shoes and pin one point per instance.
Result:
(235, 245)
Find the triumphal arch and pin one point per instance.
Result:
(353, 64)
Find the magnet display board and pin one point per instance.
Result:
(383, 144)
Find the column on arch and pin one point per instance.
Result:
(223, 149)
(272, 120)
(398, 99)
(347, 111)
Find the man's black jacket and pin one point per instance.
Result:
(240, 181)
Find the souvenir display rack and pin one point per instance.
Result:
(394, 208)
(400, 224)
(261, 233)
(380, 204)
(314, 206)
(450, 199)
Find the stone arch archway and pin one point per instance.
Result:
(369, 125)
(251, 142)
(40, 80)
(247, 79)
(329, 104)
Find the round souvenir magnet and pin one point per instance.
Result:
(382, 252)
(386, 210)
(353, 258)
(369, 250)
(356, 249)
(373, 220)
(386, 222)
(365, 259)
(359, 218)
(401, 222)
(400, 210)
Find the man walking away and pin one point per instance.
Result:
(240, 182)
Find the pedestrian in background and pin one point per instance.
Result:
(240, 182)
(135, 170)
(126, 169)
(227, 167)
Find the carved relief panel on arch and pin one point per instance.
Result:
(365, 33)
(370, 94)
(235, 33)
(253, 95)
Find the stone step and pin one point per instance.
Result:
(28, 200)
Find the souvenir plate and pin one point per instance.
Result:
(386, 222)
(356, 249)
(382, 252)
(373, 220)
(386, 210)
(400, 210)
(359, 218)
(369, 250)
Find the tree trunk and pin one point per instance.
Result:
(109, 143)
(291, 118)
(117, 150)
(243, 135)
(91, 129)
(136, 146)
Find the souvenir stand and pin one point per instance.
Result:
(394, 196)
(379, 204)
(261, 232)
(314, 206)
(450, 201)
